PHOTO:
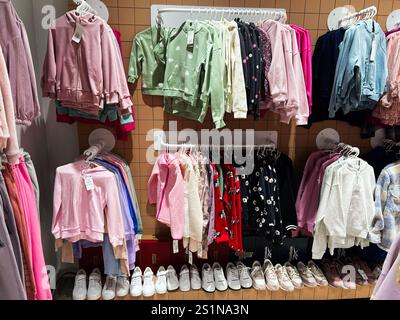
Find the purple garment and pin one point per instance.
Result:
(211, 228)
(387, 287)
(391, 31)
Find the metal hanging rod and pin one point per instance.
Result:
(220, 10)
(167, 146)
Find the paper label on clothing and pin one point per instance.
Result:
(175, 246)
(89, 182)
(78, 33)
(373, 50)
(363, 274)
(190, 38)
(190, 257)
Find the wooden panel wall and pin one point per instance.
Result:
(132, 16)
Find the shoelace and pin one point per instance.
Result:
(94, 279)
(317, 271)
(270, 272)
(257, 272)
(234, 274)
(137, 280)
(292, 272)
(208, 276)
(282, 274)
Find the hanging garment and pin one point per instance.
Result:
(221, 223)
(15, 47)
(11, 286)
(33, 177)
(27, 196)
(86, 91)
(387, 287)
(387, 204)
(9, 140)
(24, 236)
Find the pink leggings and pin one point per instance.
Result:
(28, 202)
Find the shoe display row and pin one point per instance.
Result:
(237, 276)
(286, 277)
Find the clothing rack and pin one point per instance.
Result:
(175, 15)
(168, 146)
(100, 140)
(369, 13)
(83, 6)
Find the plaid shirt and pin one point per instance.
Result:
(387, 204)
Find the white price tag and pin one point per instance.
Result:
(78, 33)
(363, 274)
(373, 50)
(175, 246)
(190, 38)
(88, 182)
(190, 257)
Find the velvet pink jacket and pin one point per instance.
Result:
(85, 74)
(166, 189)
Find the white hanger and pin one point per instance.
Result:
(84, 7)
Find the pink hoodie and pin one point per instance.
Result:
(166, 189)
(85, 74)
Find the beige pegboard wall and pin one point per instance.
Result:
(132, 16)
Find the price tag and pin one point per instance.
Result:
(373, 50)
(175, 246)
(88, 182)
(190, 38)
(78, 33)
(190, 257)
(363, 274)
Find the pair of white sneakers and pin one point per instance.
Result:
(189, 278)
(213, 278)
(147, 284)
(114, 286)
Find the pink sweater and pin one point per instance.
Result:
(80, 214)
(84, 74)
(8, 138)
(166, 189)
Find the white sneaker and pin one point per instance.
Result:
(258, 276)
(294, 275)
(184, 279)
(161, 282)
(283, 278)
(208, 283)
(271, 278)
(232, 276)
(148, 283)
(317, 273)
(136, 287)
(219, 277)
(172, 279)
(245, 278)
(195, 281)
(306, 275)
(80, 286)
(109, 288)
(122, 286)
(94, 290)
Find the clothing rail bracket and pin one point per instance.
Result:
(327, 138)
(99, 140)
(393, 20)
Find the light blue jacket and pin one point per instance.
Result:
(361, 71)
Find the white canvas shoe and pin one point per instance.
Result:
(136, 287)
(294, 275)
(219, 277)
(244, 274)
(161, 282)
(233, 277)
(122, 286)
(208, 283)
(184, 279)
(195, 280)
(95, 288)
(283, 278)
(148, 283)
(306, 275)
(172, 279)
(257, 276)
(80, 286)
(271, 279)
(109, 288)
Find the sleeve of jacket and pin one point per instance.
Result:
(115, 86)
(381, 194)
(136, 60)
(49, 70)
(55, 226)
(152, 184)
